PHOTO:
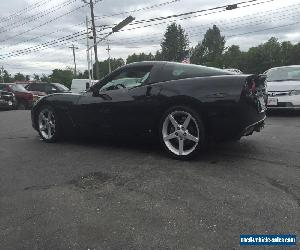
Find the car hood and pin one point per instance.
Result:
(283, 86)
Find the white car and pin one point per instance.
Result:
(283, 85)
(81, 85)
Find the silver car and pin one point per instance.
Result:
(283, 85)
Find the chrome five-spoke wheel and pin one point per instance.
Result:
(47, 124)
(180, 132)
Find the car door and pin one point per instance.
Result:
(118, 103)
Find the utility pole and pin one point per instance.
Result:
(87, 49)
(92, 64)
(95, 39)
(73, 48)
(108, 51)
(2, 74)
(91, 3)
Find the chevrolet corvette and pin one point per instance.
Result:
(184, 105)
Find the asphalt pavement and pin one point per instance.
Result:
(127, 194)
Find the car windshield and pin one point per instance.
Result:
(284, 74)
(18, 87)
(61, 87)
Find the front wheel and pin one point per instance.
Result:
(182, 133)
(48, 126)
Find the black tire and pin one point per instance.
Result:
(198, 129)
(21, 106)
(56, 133)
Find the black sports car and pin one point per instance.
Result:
(185, 105)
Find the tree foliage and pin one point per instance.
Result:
(209, 51)
(175, 43)
(140, 57)
(19, 77)
(103, 66)
(62, 76)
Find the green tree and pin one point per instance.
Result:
(62, 76)
(209, 50)
(19, 77)
(45, 78)
(103, 66)
(139, 58)
(158, 56)
(265, 56)
(7, 77)
(175, 43)
(233, 57)
(84, 75)
(36, 77)
(295, 55)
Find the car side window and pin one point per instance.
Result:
(49, 88)
(128, 78)
(182, 71)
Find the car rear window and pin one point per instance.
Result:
(177, 71)
(284, 74)
(17, 87)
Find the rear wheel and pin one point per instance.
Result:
(182, 132)
(48, 126)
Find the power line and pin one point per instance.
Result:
(22, 11)
(116, 14)
(263, 19)
(223, 7)
(37, 16)
(137, 10)
(43, 24)
(54, 42)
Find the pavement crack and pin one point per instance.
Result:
(279, 185)
(42, 187)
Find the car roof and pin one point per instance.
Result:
(289, 66)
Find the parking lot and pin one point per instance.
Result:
(130, 195)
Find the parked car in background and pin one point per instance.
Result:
(81, 85)
(7, 100)
(42, 89)
(24, 99)
(184, 105)
(236, 71)
(283, 85)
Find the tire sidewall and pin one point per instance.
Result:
(57, 133)
(202, 138)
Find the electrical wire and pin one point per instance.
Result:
(26, 51)
(22, 11)
(43, 24)
(38, 16)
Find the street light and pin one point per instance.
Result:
(116, 28)
(122, 24)
(231, 7)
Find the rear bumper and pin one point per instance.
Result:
(257, 127)
(285, 107)
(286, 102)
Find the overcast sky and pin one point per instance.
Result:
(245, 26)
